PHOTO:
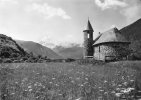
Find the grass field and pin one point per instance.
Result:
(69, 81)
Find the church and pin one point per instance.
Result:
(110, 45)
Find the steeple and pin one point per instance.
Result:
(88, 41)
(89, 26)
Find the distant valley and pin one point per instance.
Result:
(38, 49)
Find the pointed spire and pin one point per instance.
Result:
(89, 26)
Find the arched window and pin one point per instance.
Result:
(88, 36)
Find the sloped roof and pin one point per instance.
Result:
(97, 38)
(112, 35)
(89, 26)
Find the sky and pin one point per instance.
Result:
(63, 21)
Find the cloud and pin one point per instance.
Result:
(5, 2)
(105, 4)
(130, 9)
(132, 12)
(48, 11)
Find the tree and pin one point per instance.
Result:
(5, 54)
(136, 49)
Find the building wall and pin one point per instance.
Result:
(88, 43)
(111, 51)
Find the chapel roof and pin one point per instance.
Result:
(112, 35)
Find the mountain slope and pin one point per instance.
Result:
(74, 51)
(9, 47)
(38, 49)
(133, 33)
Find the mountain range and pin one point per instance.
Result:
(38, 49)
(75, 51)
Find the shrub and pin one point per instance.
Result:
(7, 60)
(5, 54)
(69, 60)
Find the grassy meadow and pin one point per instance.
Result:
(70, 81)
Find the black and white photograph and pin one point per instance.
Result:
(70, 49)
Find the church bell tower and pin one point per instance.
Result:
(88, 41)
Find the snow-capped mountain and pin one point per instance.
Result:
(65, 49)
(52, 43)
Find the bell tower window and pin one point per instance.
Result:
(88, 36)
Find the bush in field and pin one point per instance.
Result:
(14, 55)
(8, 60)
(69, 60)
(24, 58)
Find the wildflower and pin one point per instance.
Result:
(79, 98)
(50, 82)
(119, 85)
(85, 83)
(125, 83)
(78, 78)
(105, 92)
(16, 82)
(56, 84)
(113, 92)
(105, 81)
(123, 77)
(12, 93)
(72, 81)
(131, 80)
(86, 78)
(30, 90)
(53, 78)
(101, 90)
(44, 87)
(35, 84)
(118, 94)
(29, 86)
(127, 90)
(59, 94)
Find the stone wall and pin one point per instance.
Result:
(111, 51)
(88, 43)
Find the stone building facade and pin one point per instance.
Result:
(110, 45)
(111, 51)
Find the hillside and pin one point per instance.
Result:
(133, 33)
(38, 49)
(74, 51)
(9, 48)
